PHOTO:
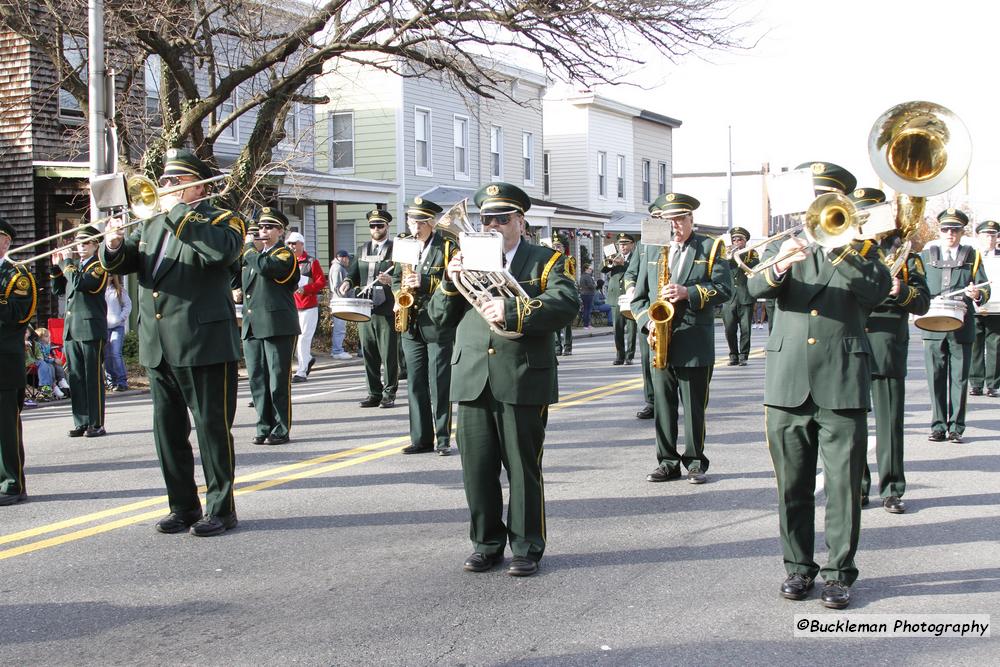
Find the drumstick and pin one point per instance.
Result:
(961, 290)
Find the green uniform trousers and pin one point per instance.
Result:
(429, 384)
(491, 434)
(564, 346)
(210, 393)
(11, 442)
(647, 371)
(889, 403)
(673, 386)
(269, 369)
(380, 350)
(85, 372)
(985, 368)
(737, 315)
(796, 438)
(947, 365)
(624, 335)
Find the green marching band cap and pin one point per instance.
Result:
(500, 198)
(674, 205)
(272, 215)
(557, 239)
(829, 177)
(625, 238)
(183, 162)
(378, 215)
(739, 231)
(988, 227)
(87, 232)
(422, 208)
(6, 229)
(952, 218)
(865, 197)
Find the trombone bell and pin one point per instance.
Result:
(831, 221)
(143, 197)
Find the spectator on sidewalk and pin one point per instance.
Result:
(588, 289)
(599, 305)
(311, 283)
(119, 308)
(50, 369)
(338, 327)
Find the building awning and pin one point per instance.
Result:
(626, 221)
(317, 187)
(44, 169)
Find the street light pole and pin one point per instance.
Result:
(97, 99)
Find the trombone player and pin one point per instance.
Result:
(697, 279)
(817, 392)
(625, 330)
(738, 311)
(188, 339)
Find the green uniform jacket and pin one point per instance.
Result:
(431, 270)
(632, 268)
(741, 294)
(86, 310)
(971, 271)
(18, 298)
(616, 279)
(818, 345)
(269, 280)
(705, 272)
(186, 311)
(358, 275)
(888, 327)
(522, 370)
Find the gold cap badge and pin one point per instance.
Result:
(493, 190)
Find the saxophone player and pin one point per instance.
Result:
(697, 280)
(426, 346)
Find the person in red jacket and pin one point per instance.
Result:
(311, 283)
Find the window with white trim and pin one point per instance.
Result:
(342, 141)
(646, 185)
(231, 133)
(602, 174)
(151, 82)
(546, 167)
(75, 52)
(527, 153)
(661, 185)
(496, 153)
(461, 132)
(422, 141)
(621, 177)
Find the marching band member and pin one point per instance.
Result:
(427, 347)
(188, 339)
(17, 307)
(565, 349)
(985, 369)
(698, 281)
(270, 324)
(738, 311)
(85, 329)
(624, 327)
(817, 392)
(639, 258)
(948, 355)
(504, 385)
(888, 332)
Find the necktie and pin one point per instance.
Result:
(676, 250)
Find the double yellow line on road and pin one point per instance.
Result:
(271, 477)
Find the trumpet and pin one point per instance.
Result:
(144, 202)
(831, 221)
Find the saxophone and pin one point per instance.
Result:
(405, 301)
(661, 314)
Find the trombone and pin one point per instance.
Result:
(144, 202)
(831, 221)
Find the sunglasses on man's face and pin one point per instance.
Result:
(496, 219)
(269, 226)
(168, 181)
(378, 226)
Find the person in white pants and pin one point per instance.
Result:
(311, 283)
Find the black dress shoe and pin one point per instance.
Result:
(95, 432)
(296, 379)
(479, 562)
(618, 362)
(387, 403)
(976, 391)
(661, 474)
(696, 476)
(743, 362)
(277, 439)
(955, 436)
(370, 402)
(309, 367)
(937, 436)
(444, 451)
(77, 432)
(568, 353)
(992, 393)
(629, 362)
(12, 498)
(733, 362)
(417, 449)
(645, 413)
(250, 403)
(522, 566)
(864, 501)
(894, 505)
(210, 526)
(836, 595)
(796, 587)
(178, 522)
(558, 353)
(259, 439)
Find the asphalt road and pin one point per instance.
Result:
(348, 553)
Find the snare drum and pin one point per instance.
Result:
(989, 308)
(352, 310)
(625, 306)
(943, 315)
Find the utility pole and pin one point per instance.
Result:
(729, 175)
(97, 98)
